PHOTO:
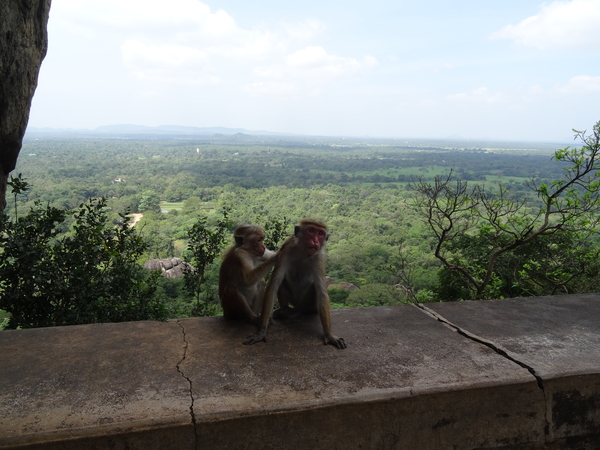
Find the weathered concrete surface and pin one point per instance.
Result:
(402, 379)
(557, 337)
(407, 380)
(93, 381)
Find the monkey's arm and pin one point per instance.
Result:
(252, 276)
(324, 311)
(267, 306)
(266, 255)
(328, 337)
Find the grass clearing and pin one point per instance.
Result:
(170, 206)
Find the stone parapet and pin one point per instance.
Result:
(514, 374)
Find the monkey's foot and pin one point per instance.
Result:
(253, 339)
(335, 341)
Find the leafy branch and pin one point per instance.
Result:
(18, 186)
(205, 244)
(468, 222)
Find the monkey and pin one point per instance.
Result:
(298, 281)
(242, 272)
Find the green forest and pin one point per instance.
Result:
(418, 221)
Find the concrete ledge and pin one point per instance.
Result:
(514, 374)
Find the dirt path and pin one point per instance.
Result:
(135, 218)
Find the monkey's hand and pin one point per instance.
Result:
(259, 336)
(335, 341)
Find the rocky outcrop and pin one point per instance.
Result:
(23, 45)
(170, 267)
(348, 286)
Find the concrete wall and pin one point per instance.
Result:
(514, 374)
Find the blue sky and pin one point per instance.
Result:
(495, 69)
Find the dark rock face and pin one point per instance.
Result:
(23, 45)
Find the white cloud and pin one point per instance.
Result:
(308, 57)
(143, 15)
(184, 41)
(316, 64)
(177, 22)
(167, 63)
(517, 97)
(149, 95)
(479, 95)
(580, 85)
(304, 30)
(571, 24)
(273, 72)
(270, 88)
(370, 61)
(305, 70)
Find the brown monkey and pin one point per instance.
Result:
(241, 277)
(299, 280)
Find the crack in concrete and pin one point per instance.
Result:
(548, 410)
(192, 414)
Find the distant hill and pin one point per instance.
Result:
(162, 130)
(234, 136)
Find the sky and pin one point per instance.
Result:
(493, 69)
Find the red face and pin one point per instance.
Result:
(256, 244)
(315, 238)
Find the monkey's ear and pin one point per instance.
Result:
(296, 230)
(239, 240)
(327, 237)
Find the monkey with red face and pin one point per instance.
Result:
(242, 272)
(298, 281)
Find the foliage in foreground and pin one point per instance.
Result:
(89, 275)
(491, 245)
(205, 244)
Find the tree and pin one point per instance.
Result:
(275, 231)
(88, 275)
(191, 205)
(205, 244)
(477, 234)
(149, 201)
(337, 296)
(371, 295)
(18, 186)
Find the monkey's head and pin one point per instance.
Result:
(312, 234)
(251, 238)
